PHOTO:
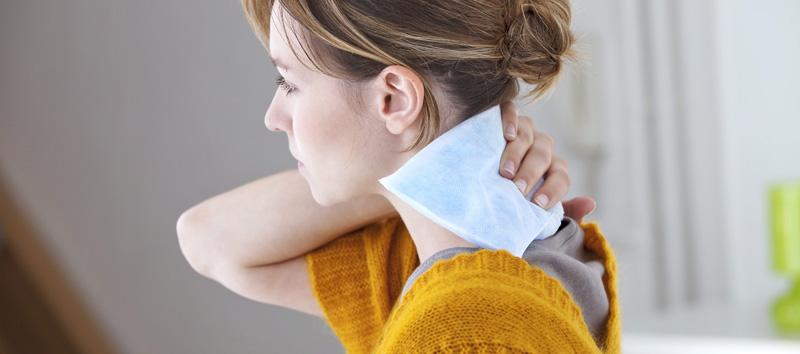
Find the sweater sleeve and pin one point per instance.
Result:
(357, 277)
(596, 242)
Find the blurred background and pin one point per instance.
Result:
(117, 116)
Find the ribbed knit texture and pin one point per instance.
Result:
(488, 301)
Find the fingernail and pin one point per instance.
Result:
(591, 211)
(511, 130)
(509, 167)
(542, 200)
(521, 184)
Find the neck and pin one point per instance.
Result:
(428, 236)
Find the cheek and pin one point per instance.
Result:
(317, 133)
(329, 136)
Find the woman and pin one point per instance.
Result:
(365, 85)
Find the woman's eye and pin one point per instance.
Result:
(282, 84)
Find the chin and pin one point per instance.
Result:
(322, 199)
(329, 195)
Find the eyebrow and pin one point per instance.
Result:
(278, 63)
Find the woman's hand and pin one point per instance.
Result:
(529, 154)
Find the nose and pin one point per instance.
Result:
(270, 123)
(276, 119)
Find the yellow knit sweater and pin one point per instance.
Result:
(488, 301)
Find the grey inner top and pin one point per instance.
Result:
(562, 257)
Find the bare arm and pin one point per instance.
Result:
(253, 239)
(268, 221)
(285, 284)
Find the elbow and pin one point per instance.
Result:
(190, 243)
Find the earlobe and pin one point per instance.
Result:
(401, 96)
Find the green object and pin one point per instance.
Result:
(786, 310)
(785, 225)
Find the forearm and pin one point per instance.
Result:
(270, 220)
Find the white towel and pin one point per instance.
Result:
(455, 181)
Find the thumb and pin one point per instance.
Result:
(578, 207)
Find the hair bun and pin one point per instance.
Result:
(537, 38)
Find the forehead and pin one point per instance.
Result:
(278, 36)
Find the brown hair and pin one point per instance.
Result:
(474, 49)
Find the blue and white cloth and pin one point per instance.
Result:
(455, 181)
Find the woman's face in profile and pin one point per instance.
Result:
(343, 151)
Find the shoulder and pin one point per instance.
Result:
(476, 299)
(575, 270)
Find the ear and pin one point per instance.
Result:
(400, 93)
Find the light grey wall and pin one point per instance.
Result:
(759, 48)
(115, 116)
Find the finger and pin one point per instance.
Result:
(508, 113)
(515, 150)
(535, 162)
(555, 186)
(577, 208)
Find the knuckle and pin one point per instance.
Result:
(548, 139)
(528, 122)
(525, 124)
(522, 127)
(528, 135)
(513, 153)
(564, 164)
(523, 174)
(564, 176)
(509, 111)
(559, 164)
(544, 152)
(531, 169)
